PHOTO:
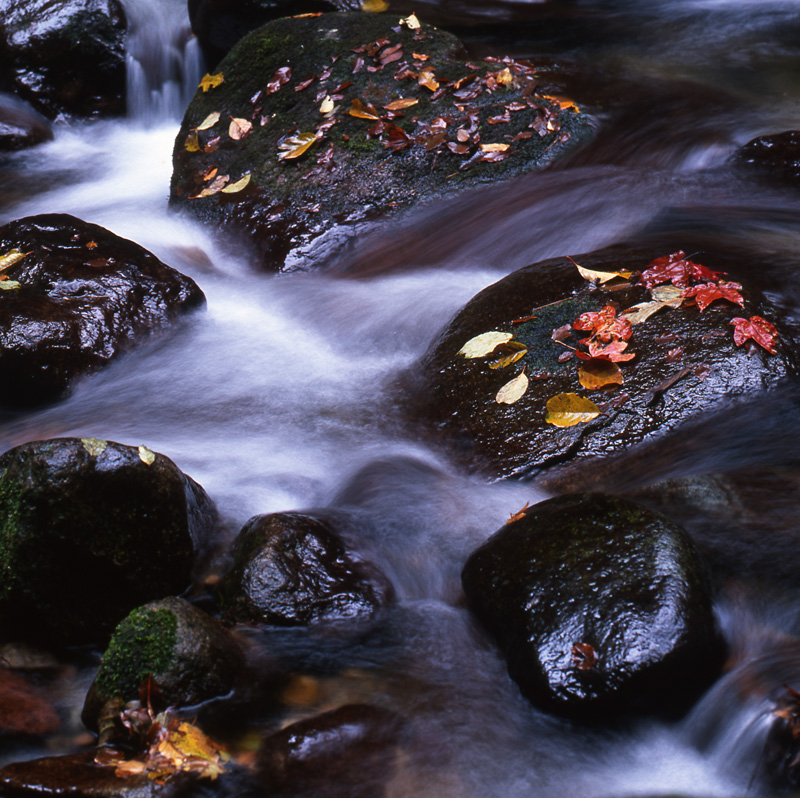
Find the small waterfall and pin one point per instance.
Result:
(163, 61)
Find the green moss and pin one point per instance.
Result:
(10, 499)
(143, 643)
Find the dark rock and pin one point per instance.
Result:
(20, 125)
(459, 394)
(296, 210)
(191, 655)
(24, 711)
(91, 531)
(294, 570)
(348, 752)
(64, 56)
(775, 157)
(599, 606)
(85, 296)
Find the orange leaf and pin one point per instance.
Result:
(405, 102)
(358, 109)
(598, 372)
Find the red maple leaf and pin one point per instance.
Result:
(760, 330)
(706, 293)
(675, 268)
(605, 326)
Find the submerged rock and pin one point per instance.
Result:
(191, 656)
(685, 363)
(375, 118)
(20, 125)
(773, 157)
(24, 710)
(294, 570)
(79, 297)
(599, 606)
(91, 530)
(64, 56)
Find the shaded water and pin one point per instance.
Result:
(282, 394)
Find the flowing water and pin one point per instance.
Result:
(281, 395)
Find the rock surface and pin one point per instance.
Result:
(24, 710)
(64, 56)
(599, 605)
(90, 531)
(84, 297)
(460, 394)
(428, 125)
(775, 156)
(294, 570)
(20, 125)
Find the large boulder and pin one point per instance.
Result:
(76, 297)
(373, 119)
(686, 362)
(64, 56)
(599, 606)
(291, 569)
(92, 529)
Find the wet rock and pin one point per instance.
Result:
(20, 125)
(294, 570)
(349, 752)
(85, 296)
(695, 349)
(360, 167)
(191, 656)
(64, 56)
(24, 711)
(774, 157)
(91, 531)
(599, 606)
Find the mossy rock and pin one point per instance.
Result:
(89, 531)
(191, 656)
(296, 209)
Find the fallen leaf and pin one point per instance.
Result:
(209, 121)
(604, 325)
(568, 409)
(295, 146)
(239, 128)
(239, 185)
(675, 268)
(146, 456)
(510, 352)
(598, 372)
(428, 80)
(584, 657)
(563, 103)
(327, 105)
(403, 102)
(514, 390)
(517, 515)
(663, 297)
(192, 143)
(597, 277)
(483, 344)
(411, 22)
(94, 446)
(613, 350)
(9, 285)
(216, 186)
(706, 293)
(760, 330)
(362, 111)
(12, 257)
(282, 76)
(374, 6)
(674, 355)
(211, 81)
(494, 147)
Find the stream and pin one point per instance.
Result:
(282, 394)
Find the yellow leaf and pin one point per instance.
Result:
(599, 277)
(403, 102)
(484, 343)
(514, 390)
(562, 102)
(94, 446)
(295, 146)
(410, 22)
(494, 147)
(663, 297)
(504, 77)
(668, 294)
(359, 110)
(8, 285)
(211, 81)
(517, 352)
(239, 185)
(374, 6)
(596, 373)
(239, 128)
(327, 105)
(428, 80)
(192, 143)
(568, 409)
(146, 456)
(187, 748)
(219, 182)
(209, 121)
(11, 257)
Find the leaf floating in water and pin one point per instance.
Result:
(239, 128)
(94, 446)
(295, 146)
(374, 6)
(209, 121)
(239, 185)
(146, 456)
(514, 390)
(211, 81)
(403, 102)
(11, 258)
(9, 285)
(411, 22)
(483, 344)
(598, 372)
(760, 330)
(598, 277)
(568, 409)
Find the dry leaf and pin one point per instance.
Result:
(584, 657)
(427, 79)
(483, 344)
(514, 390)
(295, 146)
(374, 6)
(517, 515)
(239, 185)
(211, 81)
(411, 22)
(192, 143)
(219, 182)
(94, 446)
(665, 296)
(209, 121)
(517, 352)
(146, 456)
(494, 147)
(562, 102)
(12, 257)
(358, 109)
(239, 128)
(568, 409)
(403, 102)
(8, 285)
(598, 277)
(327, 105)
(597, 373)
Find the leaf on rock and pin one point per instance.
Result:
(209, 121)
(216, 186)
(411, 22)
(211, 81)
(510, 352)
(295, 146)
(675, 268)
(517, 515)
(706, 293)
(192, 143)
(94, 446)
(564, 103)
(613, 350)
(281, 76)
(9, 285)
(188, 749)
(568, 409)
(362, 111)
(494, 147)
(604, 325)
(11, 258)
(483, 344)
(760, 330)
(427, 79)
(514, 390)
(668, 296)
(239, 185)
(403, 102)
(326, 106)
(598, 277)
(584, 657)
(599, 372)
(239, 128)
(374, 6)
(146, 456)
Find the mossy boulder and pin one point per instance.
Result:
(190, 654)
(599, 605)
(292, 569)
(686, 362)
(406, 120)
(80, 297)
(90, 530)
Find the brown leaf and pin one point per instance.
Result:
(280, 78)
(362, 110)
(517, 515)
(403, 102)
(239, 128)
(597, 373)
(584, 657)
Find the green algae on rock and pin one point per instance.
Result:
(373, 118)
